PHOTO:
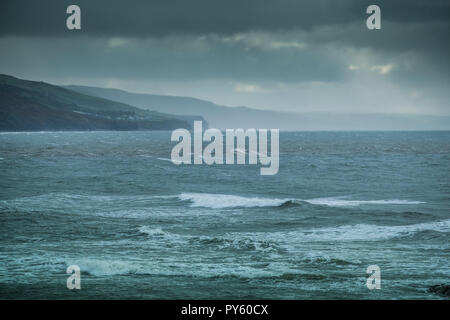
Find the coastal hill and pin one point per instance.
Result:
(39, 106)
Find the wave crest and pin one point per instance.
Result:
(338, 202)
(220, 201)
(357, 232)
(152, 231)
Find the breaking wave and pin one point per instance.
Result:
(61, 201)
(219, 201)
(336, 202)
(357, 232)
(152, 231)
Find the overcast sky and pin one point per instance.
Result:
(288, 55)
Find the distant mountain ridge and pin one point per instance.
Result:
(35, 105)
(38, 106)
(243, 117)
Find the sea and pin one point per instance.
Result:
(141, 227)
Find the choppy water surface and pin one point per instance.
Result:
(141, 227)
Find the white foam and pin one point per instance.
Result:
(151, 231)
(375, 232)
(170, 160)
(219, 201)
(207, 200)
(197, 266)
(173, 266)
(99, 267)
(337, 202)
(362, 232)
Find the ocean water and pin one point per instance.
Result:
(140, 227)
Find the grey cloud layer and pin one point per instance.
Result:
(167, 17)
(417, 26)
(245, 52)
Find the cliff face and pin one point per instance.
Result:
(38, 106)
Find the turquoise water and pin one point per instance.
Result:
(141, 227)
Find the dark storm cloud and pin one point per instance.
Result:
(288, 50)
(181, 58)
(141, 18)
